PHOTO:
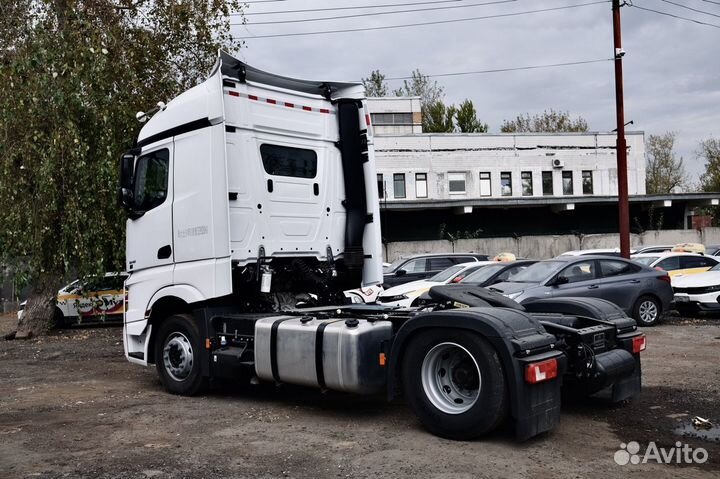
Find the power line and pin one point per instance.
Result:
(690, 8)
(511, 69)
(437, 22)
(358, 7)
(302, 20)
(675, 16)
(711, 1)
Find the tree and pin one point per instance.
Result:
(467, 120)
(375, 85)
(74, 74)
(665, 172)
(441, 118)
(710, 153)
(429, 92)
(546, 122)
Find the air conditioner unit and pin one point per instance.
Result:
(558, 163)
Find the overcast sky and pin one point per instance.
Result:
(672, 67)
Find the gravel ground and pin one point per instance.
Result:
(71, 406)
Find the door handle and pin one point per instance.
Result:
(593, 286)
(634, 281)
(164, 252)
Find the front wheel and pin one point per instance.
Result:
(454, 382)
(647, 311)
(177, 356)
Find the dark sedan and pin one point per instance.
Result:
(642, 292)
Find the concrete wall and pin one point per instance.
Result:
(542, 247)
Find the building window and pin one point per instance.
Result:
(381, 186)
(385, 119)
(527, 186)
(456, 183)
(547, 181)
(506, 183)
(421, 185)
(587, 182)
(567, 178)
(399, 185)
(485, 186)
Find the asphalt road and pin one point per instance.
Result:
(71, 406)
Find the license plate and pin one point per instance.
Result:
(681, 299)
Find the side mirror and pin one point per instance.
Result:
(400, 272)
(560, 280)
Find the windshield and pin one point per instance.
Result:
(446, 274)
(482, 274)
(394, 265)
(646, 260)
(538, 272)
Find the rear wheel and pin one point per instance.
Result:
(177, 356)
(454, 382)
(647, 311)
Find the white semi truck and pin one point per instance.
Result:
(252, 205)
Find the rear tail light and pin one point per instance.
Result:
(665, 277)
(639, 343)
(541, 371)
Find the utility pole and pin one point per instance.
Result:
(621, 145)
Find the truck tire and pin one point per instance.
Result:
(177, 356)
(454, 382)
(647, 311)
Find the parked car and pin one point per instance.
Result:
(677, 264)
(89, 300)
(363, 295)
(712, 250)
(405, 295)
(496, 273)
(698, 292)
(642, 292)
(423, 266)
(654, 249)
(602, 251)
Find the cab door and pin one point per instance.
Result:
(150, 231)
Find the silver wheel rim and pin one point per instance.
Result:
(178, 356)
(451, 378)
(648, 311)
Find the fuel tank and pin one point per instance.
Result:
(338, 354)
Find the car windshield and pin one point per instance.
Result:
(483, 274)
(646, 260)
(446, 274)
(538, 272)
(394, 265)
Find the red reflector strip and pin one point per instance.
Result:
(541, 371)
(272, 101)
(639, 344)
(367, 119)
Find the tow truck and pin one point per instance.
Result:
(251, 206)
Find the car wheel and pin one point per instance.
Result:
(454, 382)
(177, 356)
(647, 311)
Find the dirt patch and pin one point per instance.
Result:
(72, 406)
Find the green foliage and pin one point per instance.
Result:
(467, 120)
(430, 94)
(440, 118)
(665, 172)
(709, 152)
(74, 72)
(546, 122)
(375, 86)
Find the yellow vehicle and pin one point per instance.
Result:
(688, 248)
(677, 264)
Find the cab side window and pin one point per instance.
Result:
(286, 161)
(616, 268)
(669, 264)
(415, 266)
(151, 180)
(687, 262)
(439, 264)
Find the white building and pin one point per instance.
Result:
(418, 166)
